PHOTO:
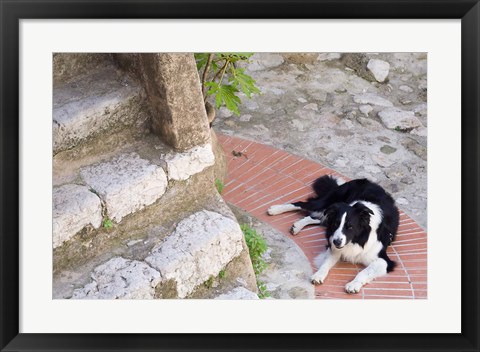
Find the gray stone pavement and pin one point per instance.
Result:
(332, 109)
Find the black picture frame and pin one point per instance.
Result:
(12, 11)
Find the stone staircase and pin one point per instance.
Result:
(134, 217)
(103, 101)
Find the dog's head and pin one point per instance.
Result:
(346, 224)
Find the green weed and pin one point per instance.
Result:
(257, 246)
(220, 186)
(107, 223)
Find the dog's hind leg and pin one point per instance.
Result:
(300, 224)
(282, 208)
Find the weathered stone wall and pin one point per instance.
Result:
(175, 97)
(68, 66)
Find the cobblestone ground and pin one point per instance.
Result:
(331, 108)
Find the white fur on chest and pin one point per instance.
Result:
(353, 252)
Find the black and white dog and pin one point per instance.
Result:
(361, 221)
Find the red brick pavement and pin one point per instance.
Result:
(262, 176)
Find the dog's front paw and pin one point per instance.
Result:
(353, 286)
(295, 229)
(319, 277)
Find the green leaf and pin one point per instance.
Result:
(234, 57)
(201, 59)
(213, 87)
(246, 83)
(223, 66)
(225, 94)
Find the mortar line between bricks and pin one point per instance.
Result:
(266, 196)
(406, 273)
(247, 158)
(408, 232)
(265, 169)
(275, 172)
(243, 148)
(252, 187)
(236, 145)
(256, 175)
(273, 200)
(269, 167)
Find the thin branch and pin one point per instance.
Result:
(204, 76)
(220, 71)
(223, 73)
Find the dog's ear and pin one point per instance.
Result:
(331, 215)
(363, 212)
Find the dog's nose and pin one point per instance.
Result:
(337, 242)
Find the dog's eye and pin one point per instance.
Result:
(349, 227)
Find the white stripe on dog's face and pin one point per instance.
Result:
(339, 239)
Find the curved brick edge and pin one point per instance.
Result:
(260, 175)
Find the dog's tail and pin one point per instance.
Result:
(325, 184)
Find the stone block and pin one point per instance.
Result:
(365, 109)
(74, 207)
(126, 184)
(238, 293)
(220, 167)
(371, 98)
(329, 56)
(120, 278)
(379, 69)
(264, 61)
(200, 247)
(181, 166)
(174, 92)
(395, 118)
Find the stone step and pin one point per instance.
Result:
(118, 183)
(238, 293)
(125, 184)
(102, 102)
(201, 245)
(75, 207)
(111, 189)
(120, 278)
